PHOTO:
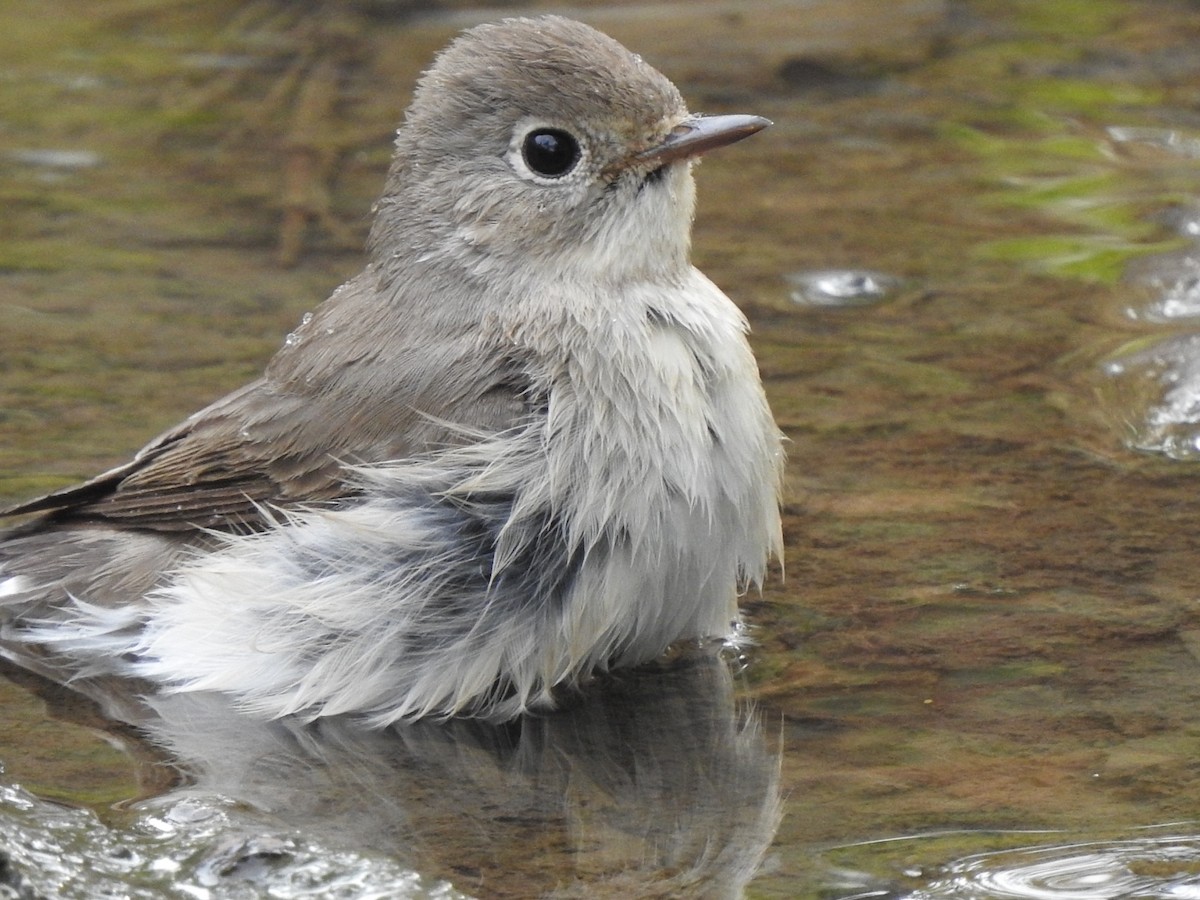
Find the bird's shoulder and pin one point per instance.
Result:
(286, 439)
(209, 471)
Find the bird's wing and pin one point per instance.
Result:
(230, 464)
(212, 471)
(358, 383)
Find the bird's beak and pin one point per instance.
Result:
(698, 134)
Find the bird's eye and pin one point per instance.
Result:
(550, 152)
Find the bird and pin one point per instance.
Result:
(528, 443)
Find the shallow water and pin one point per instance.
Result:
(982, 666)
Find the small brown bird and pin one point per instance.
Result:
(527, 442)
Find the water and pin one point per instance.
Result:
(1151, 866)
(980, 674)
(834, 287)
(206, 848)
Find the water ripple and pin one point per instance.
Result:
(1164, 867)
(841, 287)
(1155, 391)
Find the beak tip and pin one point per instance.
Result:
(700, 133)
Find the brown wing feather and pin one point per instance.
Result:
(209, 472)
(365, 389)
(225, 467)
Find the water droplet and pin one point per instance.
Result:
(1170, 284)
(58, 159)
(221, 61)
(306, 318)
(76, 81)
(1163, 138)
(1154, 393)
(291, 340)
(841, 287)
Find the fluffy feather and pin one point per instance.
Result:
(528, 442)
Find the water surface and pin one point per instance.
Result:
(981, 667)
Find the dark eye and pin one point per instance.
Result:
(550, 152)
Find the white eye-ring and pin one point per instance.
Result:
(545, 153)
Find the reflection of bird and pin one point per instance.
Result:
(654, 784)
(527, 441)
